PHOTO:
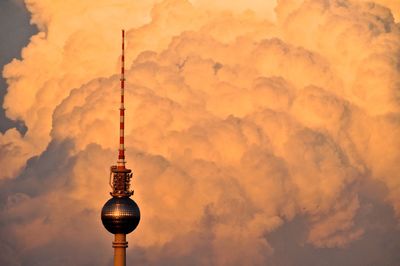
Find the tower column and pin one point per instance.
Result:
(120, 246)
(120, 215)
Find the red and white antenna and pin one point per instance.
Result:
(121, 152)
(119, 175)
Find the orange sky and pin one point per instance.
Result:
(242, 121)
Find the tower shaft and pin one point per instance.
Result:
(120, 246)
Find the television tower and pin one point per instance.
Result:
(120, 215)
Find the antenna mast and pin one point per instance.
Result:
(121, 152)
(119, 175)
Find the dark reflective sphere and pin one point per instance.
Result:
(120, 215)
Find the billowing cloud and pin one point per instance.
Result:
(238, 126)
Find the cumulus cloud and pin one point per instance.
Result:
(238, 125)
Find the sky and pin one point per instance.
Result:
(15, 31)
(259, 132)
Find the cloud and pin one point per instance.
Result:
(237, 127)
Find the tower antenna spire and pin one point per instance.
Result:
(120, 215)
(121, 152)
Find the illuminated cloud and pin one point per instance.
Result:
(237, 126)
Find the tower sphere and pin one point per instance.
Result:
(120, 215)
